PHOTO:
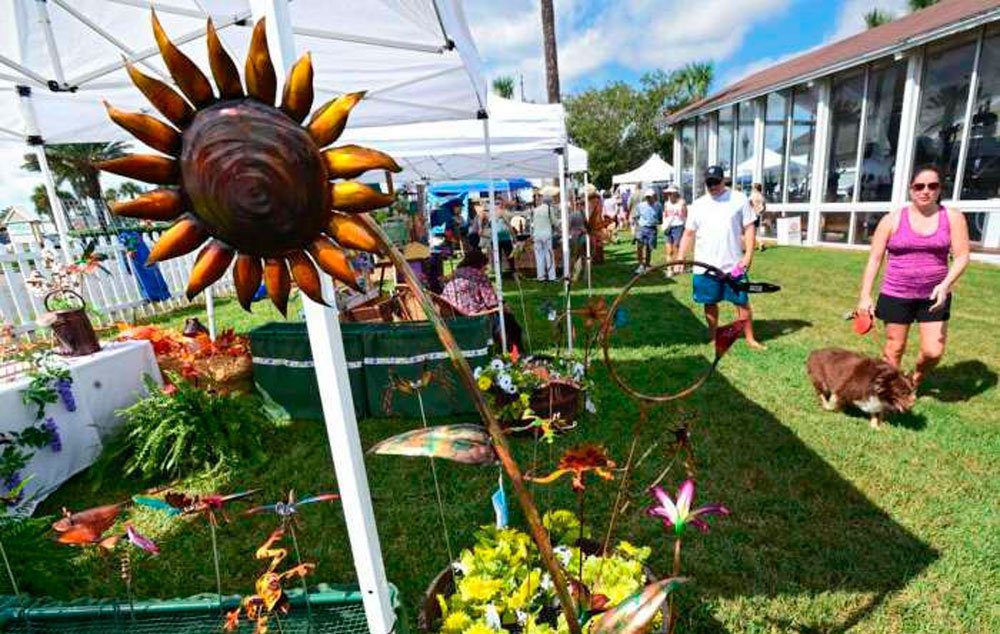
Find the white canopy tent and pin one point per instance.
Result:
(655, 169)
(415, 58)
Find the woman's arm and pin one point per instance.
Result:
(879, 241)
(959, 257)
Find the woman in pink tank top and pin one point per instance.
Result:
(918, 279)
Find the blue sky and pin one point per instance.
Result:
(601, 41)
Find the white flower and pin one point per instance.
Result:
(496, 365)
(477, 372)
(564, 554)
(589, 406)
(493, 617)
(546, 583)
(578, 370)
(458, 567)
(522, 617)
(506, 383)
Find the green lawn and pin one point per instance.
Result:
(834, 527)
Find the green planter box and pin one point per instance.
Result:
(375, 354)
(335, 610)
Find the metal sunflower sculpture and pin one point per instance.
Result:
(244, 178)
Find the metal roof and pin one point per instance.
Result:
(918, 28)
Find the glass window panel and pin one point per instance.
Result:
(800, 152)
(864, 226)
(834, 226)
(977, 226)
(701, 140)
(744, 146)
(982, 165)
(886, 83)
(687, 160)
(845, 124)
(943, 96)
(775, 114)
(724, 145)
(769, 223)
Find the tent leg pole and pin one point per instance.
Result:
(586, 205)
(495, 235)
(210, 310)
(327, 346)
(567, 274)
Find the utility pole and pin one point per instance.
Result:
(521, 76)
(551, 55)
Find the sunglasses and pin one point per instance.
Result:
(712, 182)
(919, 187)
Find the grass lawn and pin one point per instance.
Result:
(834, 527)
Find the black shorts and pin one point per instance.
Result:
(902, 310)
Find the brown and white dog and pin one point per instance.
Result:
(842, 378)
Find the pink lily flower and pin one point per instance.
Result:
(679, 515)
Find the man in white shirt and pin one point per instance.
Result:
(542, 221)
(723, 222)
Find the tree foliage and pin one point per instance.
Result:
(877, 17)
(620, 125)
(504, 86)
(916, 5)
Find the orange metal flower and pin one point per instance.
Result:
(578, 461)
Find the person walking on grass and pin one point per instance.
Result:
(542, 221)
(723, 223)
(759, 205)
(918, 279)
(674, 216)
(647, 218)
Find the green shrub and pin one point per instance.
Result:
(177, 432)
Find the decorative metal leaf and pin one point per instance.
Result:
(467, 444)
(635, 614)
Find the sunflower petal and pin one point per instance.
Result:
(247, 273)
(305, 276)
(185, 73)
(224, 70)
(158, 205)
(355, 197)
(351, 233)
(349, 161)
(148, 129)
(328, 123)
(334, 262)
(182, 238)
(297, 97)
(212, 263)
(278, 283)
(262, 83)
(148, 168)
(169, 103)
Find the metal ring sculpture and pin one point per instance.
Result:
(606, 330)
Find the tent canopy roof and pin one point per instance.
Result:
(415, 58)
(476, 186)
(655, 169)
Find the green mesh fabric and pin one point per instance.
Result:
(331, 610)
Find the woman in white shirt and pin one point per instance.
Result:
(674, 216)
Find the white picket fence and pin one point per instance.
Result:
(113, 294)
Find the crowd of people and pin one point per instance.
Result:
(925, 245)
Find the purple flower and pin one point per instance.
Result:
(64, 386)
(55, 440)
(11, 484)
(679, 515)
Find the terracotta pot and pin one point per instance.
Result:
(73, 332)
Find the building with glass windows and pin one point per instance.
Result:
(834, 134)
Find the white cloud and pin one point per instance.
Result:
(851, 17)
(638, 35)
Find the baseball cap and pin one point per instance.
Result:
(716, 172)
(649, 193)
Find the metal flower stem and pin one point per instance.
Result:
(524, 311)
(527, 503)
(10, 571)
(215, 560)
(298, 561)
(579, 540)
(676, 573)
(437, 486)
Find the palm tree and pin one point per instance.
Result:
(877, 17)
(40, 199)
(504, 86)
(74, 164)
(551, 55)
(916, 5)
(692, 81)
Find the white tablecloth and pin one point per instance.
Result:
(102, 383)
